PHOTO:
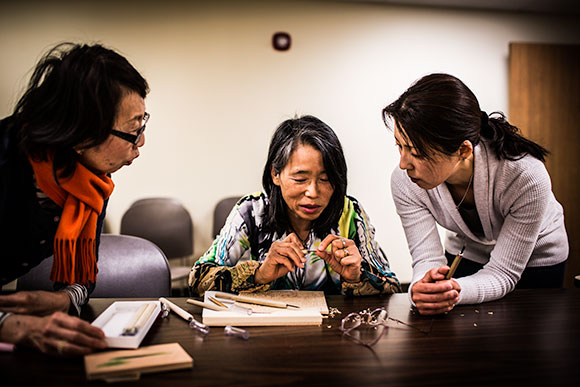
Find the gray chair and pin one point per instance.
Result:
(221, 212)
(167, 223)
(129, 267)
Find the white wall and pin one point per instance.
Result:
(218, 89)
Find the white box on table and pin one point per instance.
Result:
(117, 316)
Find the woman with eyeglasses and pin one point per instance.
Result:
(81, 119)
(475, 176)
(302, 231)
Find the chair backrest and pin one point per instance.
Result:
(129, 267)
(221, 212)
(163, 221)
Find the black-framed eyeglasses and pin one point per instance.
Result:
(133, 138)
(368, 327)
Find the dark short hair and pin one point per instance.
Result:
(439, 112)
(306, 130)
(72, 100)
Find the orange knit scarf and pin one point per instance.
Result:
(81, 197)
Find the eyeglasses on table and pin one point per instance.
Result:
(368, 327)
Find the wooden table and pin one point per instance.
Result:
(531, 337)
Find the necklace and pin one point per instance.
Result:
(465, 194)
(303, 241)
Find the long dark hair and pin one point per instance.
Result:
(72, 100)
(439, 112)
(306, 130)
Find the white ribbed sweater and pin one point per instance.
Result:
(522, 222)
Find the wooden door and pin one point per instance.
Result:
(544, 102)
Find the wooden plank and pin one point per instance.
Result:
(544, 102)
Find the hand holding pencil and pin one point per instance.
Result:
(437, 292)
(455, 263)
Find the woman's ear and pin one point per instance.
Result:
(275, 177)
(465, 149)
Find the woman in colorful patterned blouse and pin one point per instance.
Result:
(303, 231)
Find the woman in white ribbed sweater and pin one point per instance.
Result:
(476, 177)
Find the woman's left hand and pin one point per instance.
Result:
(344, 257)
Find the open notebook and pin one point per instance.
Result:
(312, 306)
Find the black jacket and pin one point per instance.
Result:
(26, 229)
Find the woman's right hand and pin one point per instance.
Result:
(283, 256)
(433, 294)
(57, 334)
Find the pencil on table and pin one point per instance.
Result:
(217, 302)
(130, 327)
(139, 319)
(145, 316)
(252, 300)
(206, 305)
(180, 312)
(193, 323)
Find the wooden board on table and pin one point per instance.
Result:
(130, 364)
(312, 304)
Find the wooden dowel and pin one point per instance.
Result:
(205, 305)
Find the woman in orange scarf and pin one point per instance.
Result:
(81, 119)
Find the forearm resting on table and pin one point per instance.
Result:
(208, 276)
(65, 301)
(35, 302)
(18, 309)
(366, 287)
